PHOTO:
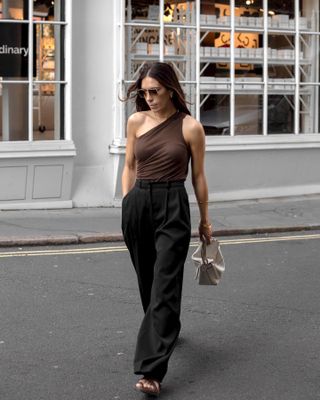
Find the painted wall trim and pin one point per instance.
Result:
(258, 142)
(56, 148)
(238, 143)
(261, 193)
(37, 205)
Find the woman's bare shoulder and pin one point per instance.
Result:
(191, 126)
(137, 118)
(135, 122)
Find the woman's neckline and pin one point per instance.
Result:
(159, 125)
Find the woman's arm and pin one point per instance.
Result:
(129, 170)
(195, 137)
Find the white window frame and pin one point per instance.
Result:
(66, 83)
(213, 143)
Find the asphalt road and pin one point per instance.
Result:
(69, 318)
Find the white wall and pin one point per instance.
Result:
(254, 174)
(92, 97)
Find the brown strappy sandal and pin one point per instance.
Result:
(149, 386)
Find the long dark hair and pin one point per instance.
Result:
(165, 75)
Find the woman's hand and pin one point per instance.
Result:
(205, 232)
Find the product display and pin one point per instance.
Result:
(265, 56)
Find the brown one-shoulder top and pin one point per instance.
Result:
(162, 153)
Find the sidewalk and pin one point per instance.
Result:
(90, 225)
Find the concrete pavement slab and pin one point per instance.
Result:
(89, 225)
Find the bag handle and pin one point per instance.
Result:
(204, 252)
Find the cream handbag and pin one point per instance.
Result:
(209, 262)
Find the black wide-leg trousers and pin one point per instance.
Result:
(156, 229)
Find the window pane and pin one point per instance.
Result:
(309, 109)
(49, 52)
(248, 60)
(281, 56)
(179, 12)
(14, 51)
(129, 105)
(13, 9)
(248, 13)
(134, 71)
(48, 103)
(280, 12)
(48, 10)
(215, 54)
(215, 114)
(142, 45)
(179, 50)
(137, 10)
(190, 94)
(280, 73)
(13, 103)
(280, 114)
(215, 13)
(309, 58)
(248, 115)
(248, 45)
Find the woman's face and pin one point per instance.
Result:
(158, 99)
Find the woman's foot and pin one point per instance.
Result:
(149, 386)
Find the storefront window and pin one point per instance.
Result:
(32, 70)
(255, 70)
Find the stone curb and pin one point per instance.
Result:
(86, 238)
(38, 240)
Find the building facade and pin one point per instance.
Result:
(249, 68)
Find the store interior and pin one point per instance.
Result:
(251, 73)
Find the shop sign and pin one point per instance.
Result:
(14, 50)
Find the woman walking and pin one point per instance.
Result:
(162, 138)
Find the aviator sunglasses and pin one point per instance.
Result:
(143, 92)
